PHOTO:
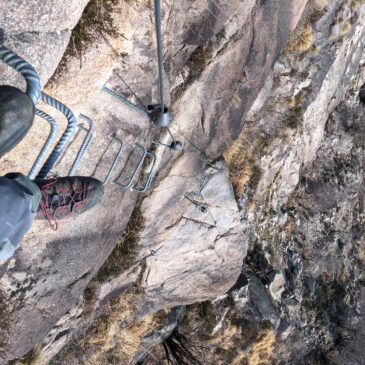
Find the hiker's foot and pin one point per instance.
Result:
(16, 117)
(66, 197)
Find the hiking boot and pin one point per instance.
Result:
(67, 197)
(16, 117)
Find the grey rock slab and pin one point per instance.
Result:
(43, 50)
(261, 301)
(277, 286)
(221, 97)
(201, 255)
(171, 228)
(53, 268)
(17, 16)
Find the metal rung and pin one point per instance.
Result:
(125, 101)
(113, 136)
(150, 176)
(69, 131)
(135, 171)
(47, 144)
(27, 71)
(85, 144)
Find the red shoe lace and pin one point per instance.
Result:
(81, 198)
(46, 207)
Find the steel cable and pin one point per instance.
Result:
(159, 51)
(202, 153)
(131, 90)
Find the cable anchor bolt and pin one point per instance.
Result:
(158, 117)
(201, 207)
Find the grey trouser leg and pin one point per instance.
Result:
(19, 200)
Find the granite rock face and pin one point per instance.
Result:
(39, 32)
(300, 296)
(213, 257)
(38, 16)
(221, 67)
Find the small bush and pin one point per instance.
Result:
(200, 57)
(95, 22)
(300, 41)
(356, 3)
(345, 29)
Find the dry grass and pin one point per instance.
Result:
(262, 350)
(243, 162)
(225, 338)
(237, 341)
(300, 41)
(345, 29)
(254, 346)
(224, 346)
(356, 4)
(118, 345)
(292, 103)
(318, 4)
(110, 340)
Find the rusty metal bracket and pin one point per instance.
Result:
(25, 69)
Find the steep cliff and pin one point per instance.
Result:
(283, 126)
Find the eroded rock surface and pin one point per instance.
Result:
(300, 297)
(219, 67)
(213, 257)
